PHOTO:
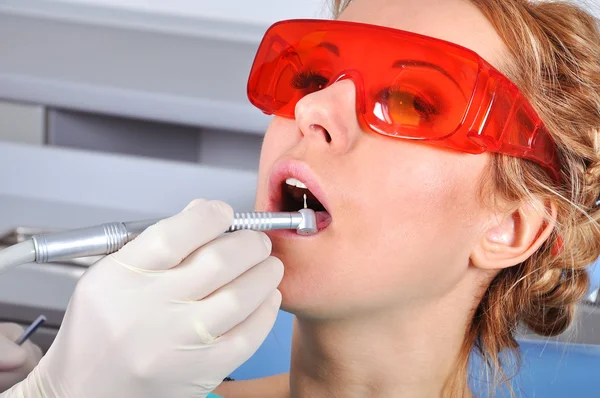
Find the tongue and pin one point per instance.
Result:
(323, 219)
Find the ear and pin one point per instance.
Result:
(512, 238)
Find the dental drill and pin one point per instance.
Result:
(108, 238)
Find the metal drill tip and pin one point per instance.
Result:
(308, 226)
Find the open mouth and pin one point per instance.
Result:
(295, 196)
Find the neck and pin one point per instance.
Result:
(400, 354)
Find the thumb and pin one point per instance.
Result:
(12, 356)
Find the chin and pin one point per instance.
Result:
(311, 290)
(303, 286)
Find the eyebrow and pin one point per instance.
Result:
(411, 62)
(331, 47)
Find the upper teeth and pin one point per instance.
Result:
(295, 183)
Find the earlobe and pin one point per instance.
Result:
(512, 238)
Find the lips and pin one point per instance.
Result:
(293, 169)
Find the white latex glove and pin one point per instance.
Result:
(169, 315)
(16, 361)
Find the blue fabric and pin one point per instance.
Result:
(212, 396)
(548, 369)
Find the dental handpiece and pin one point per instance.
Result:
(108, 238)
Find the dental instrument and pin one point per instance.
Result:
(108, 238)
(31, 330)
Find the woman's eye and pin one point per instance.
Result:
(406, 107)
(309, 81)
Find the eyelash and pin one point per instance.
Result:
(305, 79)
(421, 105)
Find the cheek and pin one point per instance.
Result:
(420, 190)
(415, 220)
(273, 146)
(279, 138)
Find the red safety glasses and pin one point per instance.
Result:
(407, 86)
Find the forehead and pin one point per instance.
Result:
(457, 21)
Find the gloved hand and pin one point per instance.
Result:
(169, 315)
(16, 361)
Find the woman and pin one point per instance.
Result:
(428, 250)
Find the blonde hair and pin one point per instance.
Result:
(554, 50)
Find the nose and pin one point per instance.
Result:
(329, 116)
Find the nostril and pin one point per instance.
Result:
(323, 130)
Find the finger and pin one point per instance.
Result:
(245, 338)
(166, 244)
(12, 331)
(216, 264)
(34, 352)
(12, 356)
(233, 303)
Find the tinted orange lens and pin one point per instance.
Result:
(419, 99)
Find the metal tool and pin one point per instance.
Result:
(108, 238)
(31, 329)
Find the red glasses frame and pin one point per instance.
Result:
(408, 86)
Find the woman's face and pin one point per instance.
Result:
(404, 216)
